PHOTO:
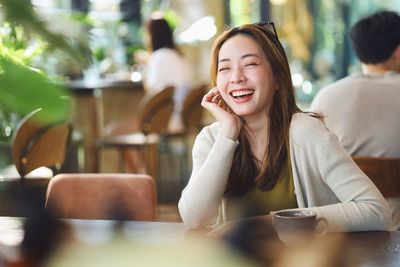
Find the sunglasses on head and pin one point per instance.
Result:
(269, 26)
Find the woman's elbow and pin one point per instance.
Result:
(194, 217)
(386, 218)
(382, 218)
(188, 218)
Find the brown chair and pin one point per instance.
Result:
(36, 147)
(174, 160)
(192, 111)
(384, 173)
(102, 196)
(36, 144)
(141, 134)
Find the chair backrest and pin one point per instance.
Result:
(155, 110)
(35, 144)
(192, 111)
(102, 196)
(384, 173)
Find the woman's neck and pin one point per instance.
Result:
(258, 135)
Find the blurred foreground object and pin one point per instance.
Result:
(102, 196)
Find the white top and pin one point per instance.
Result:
(364, 112)
(166, 67)
(326, 180)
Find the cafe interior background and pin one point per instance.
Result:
(103, 35)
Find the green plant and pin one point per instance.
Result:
(23, 87)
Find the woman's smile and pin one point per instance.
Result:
(242, 95)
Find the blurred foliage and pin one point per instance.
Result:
(21, 12)
(14, 44)
(8, 122)
(172, 18)
(99, 53)
(23, 88)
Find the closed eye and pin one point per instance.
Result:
(251, 64)
(223, 69)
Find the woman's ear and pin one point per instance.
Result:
(396, 59)
(396, 53)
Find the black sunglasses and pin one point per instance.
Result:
(270, 26)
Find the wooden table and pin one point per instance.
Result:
(171, 242)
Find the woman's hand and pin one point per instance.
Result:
(231, 124)
(222, 230)
(141, 57)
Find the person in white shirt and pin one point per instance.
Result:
(363, 109)
(165, 65)
(264, 154)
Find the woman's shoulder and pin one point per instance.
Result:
(171, 57)
(165, 52)
(306, 127)
(305, 119)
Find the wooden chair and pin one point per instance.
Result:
(384, 173)
(192, 111)
(36, 144)
(174, 161)
(141, 134)
(38, 150)
(102, 196)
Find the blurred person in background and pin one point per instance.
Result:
(363, 109)
(264, 154)
(165, 65)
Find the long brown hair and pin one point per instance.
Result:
(244, 172)
(161, 34)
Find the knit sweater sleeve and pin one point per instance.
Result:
(328, 181)
(361, 207)
(212, 160)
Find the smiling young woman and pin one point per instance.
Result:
(264, 154)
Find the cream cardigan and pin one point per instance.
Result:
(326, 180)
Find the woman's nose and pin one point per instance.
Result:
(238, 76)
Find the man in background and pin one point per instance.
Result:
(363, 109)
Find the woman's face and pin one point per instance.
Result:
(244, 77)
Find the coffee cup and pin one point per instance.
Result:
(296, 227)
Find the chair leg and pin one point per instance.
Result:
(98, 159)
(152, 159)
(128, 162)
(140, 160)
(147, 160)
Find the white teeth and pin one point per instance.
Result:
(242, 93)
